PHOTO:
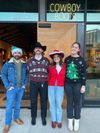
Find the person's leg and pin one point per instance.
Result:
(77, 100)
(18, 99)
(10, 98)
(51, 97)
(52, 103)
(69, 93)
(77, 105)
(59, 100)
(43, 90)
(33, 98)
(9, 105)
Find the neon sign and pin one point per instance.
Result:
(70, 8)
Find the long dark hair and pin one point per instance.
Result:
(79, 52)
(60, 63)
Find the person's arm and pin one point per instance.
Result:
(48, 64)
(4, 76)
(83, 76)
(64, 65)
(49, 73)
(26, 76)
(65, 61)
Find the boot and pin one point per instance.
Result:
(6, 129)
(76, 124)
(59, 125)
(70, 124)
(44, 121)
(33, 121)
(19, 121)
(53, 124)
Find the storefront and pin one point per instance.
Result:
(69, 20)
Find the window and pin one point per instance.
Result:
(93, 62)
(18, 6)
(93, 10)
(18, 10)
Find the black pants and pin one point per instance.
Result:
(35, 89)
(74, 100)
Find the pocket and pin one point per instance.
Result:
(10, 92)
(10, 69)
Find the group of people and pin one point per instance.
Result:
(49, 80)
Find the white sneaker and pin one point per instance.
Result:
(76, 124)
(70, 124)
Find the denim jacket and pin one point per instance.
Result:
(9, 74)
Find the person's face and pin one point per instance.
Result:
(75, 49)
(56, 58)
(17, 55)
(38, 50)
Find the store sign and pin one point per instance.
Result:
(70, 8)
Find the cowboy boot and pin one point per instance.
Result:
(76, 124)
(19, 121)
(70, 124)
(6, 129)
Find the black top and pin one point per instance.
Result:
(75, 70)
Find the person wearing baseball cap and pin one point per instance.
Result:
(15, 78)
(56, 87)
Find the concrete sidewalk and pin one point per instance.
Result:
(89, 123)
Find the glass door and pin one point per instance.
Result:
(92, 96)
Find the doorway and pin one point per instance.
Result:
(22, 35)
(57, 36)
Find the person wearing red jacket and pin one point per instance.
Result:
(56, 87)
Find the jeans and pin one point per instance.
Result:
(14, 98)
(35, 89)
(55, 95)
(74, 100)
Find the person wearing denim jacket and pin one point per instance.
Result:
(15, 78)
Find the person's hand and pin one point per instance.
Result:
(11, 88)
(23, 87)
(82, 89)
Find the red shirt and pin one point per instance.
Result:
(56, 78)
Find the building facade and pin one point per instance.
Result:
(81, 19)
